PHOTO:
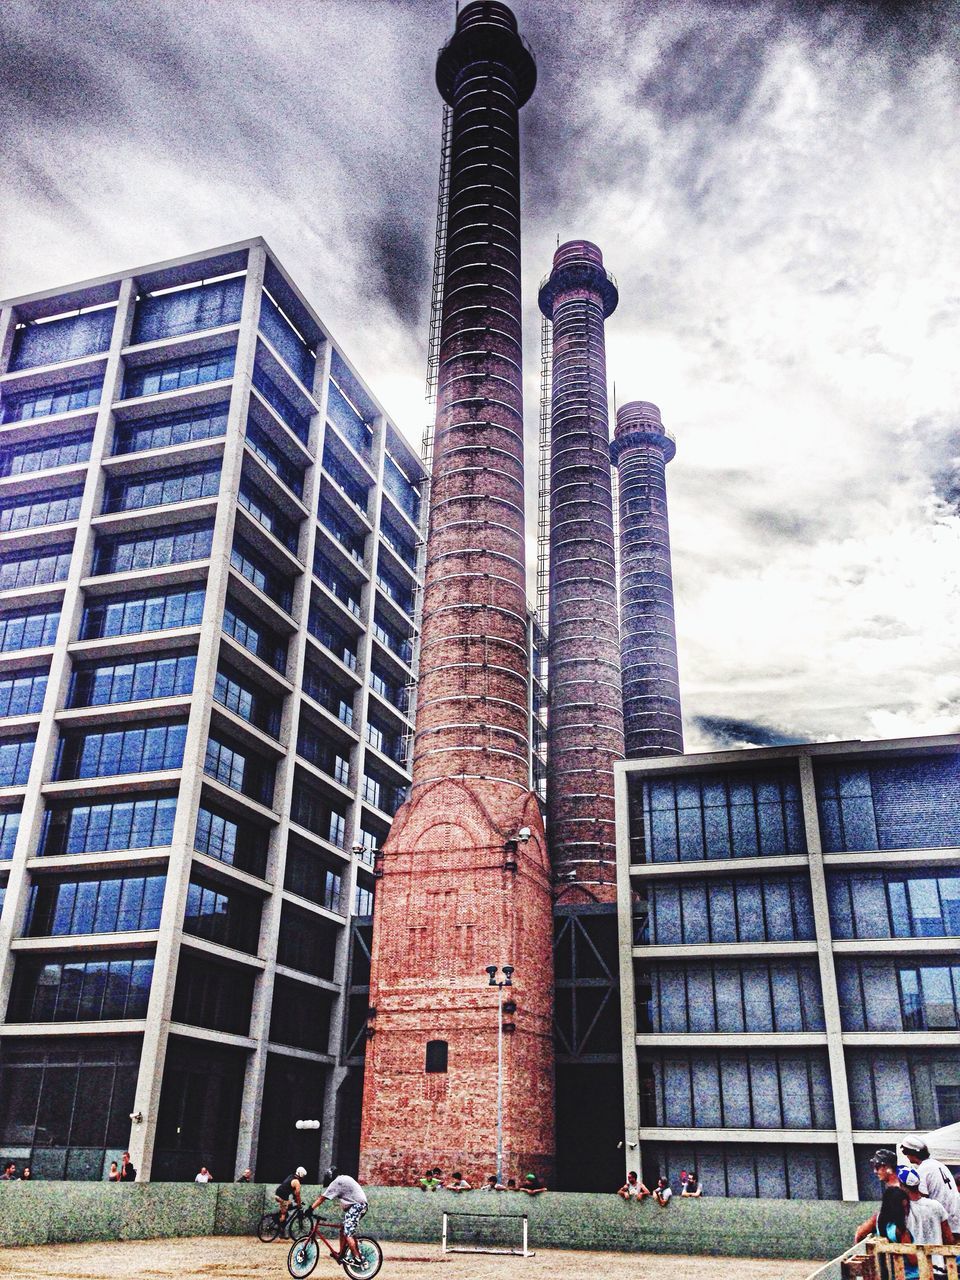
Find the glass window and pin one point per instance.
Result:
(188, 310)
(44, 402)
(145, 550)
(109, 905)
(44, 455)
(232, 919)
(239, 770)
(264, 577)
(135, 681)
(299, 423)
(254, 635)
(28, 630)
(268, 514)
(16, 756)
(159, 432)
(142, 823)
(22, 693)
(35, 568)
(40, 509)
(135, 614)
(274, 459)
(287, 341)
(71, 337)
(9, 827)
(889, 804)
(99, 754)
(161, 488)
(78, 990)
(172, 375)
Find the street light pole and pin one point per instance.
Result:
(506, 981)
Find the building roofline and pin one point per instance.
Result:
(936, 744)
(72, 297)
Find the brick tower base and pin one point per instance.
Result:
(449, 904)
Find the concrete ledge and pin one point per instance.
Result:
(47, 1212)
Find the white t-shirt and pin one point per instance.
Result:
(347, 1190)
(936, 1181)
(204, 1177)
(665, 1193)
(925, 1219)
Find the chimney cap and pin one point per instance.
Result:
(486, 31)
(578, 265)
(638, 420)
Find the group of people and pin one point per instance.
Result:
(122, 1172)
(634, 1189)
(432, 1180)
(920, 1203)
(10, 1173)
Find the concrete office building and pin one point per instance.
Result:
(208, 572)
(790, 960)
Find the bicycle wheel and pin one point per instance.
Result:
(371, 1259)
(268, 1227)
(302, 1257)
(299, 1223)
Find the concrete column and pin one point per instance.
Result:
(628, 1000)
(153, 1055)
(828, 982)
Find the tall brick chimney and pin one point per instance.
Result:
(466, 877)
(651, 686)
(585, 725)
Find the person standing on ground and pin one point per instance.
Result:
(890, 1220)
(936, 1180)
(127, 1171)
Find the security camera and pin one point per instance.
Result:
(524, 834)
(136, 1117)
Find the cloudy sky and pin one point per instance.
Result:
(776, 186)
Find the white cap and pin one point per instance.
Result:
(301, 1172)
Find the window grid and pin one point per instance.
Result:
(116, 904)
(9, 826)
(34, 569)
(45, 402)
(16, 756)
(147, 550)
(265, 578)
(103, 754)
(268, 514)
(254, 636)
(250, 704)
(43, 509)
(45, 455)
(224, 837)
(81, 991)
(140, 681)
(298, 423)
(173, 375)
(183, 427)
(160, 489)
(22, 693)
(145, 823)
(687, 1000)
(28, 630)
(269, 454)
(921, 904)
(137, 614)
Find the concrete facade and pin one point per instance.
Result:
(466, 880)
(213, 615)
(641, 449)
(790, 960)
(585, 726)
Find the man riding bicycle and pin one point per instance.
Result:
(289, 1189)
(353, 1201)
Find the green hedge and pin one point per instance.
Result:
(47, 1212)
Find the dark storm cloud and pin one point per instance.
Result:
(786, 525)
(741, 733)
(901, 27)
(398, 250)
(708, 71)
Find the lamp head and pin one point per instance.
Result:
(508, 975)
(492, 971)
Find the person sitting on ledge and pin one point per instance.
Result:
(494, 1185)
(663, 1192)
(114, 1174)
(459, 1183)
(428, 1182)
(691, 1188)
(532, 1185)
(9, 1172)
(633, 1188)
(511, 1184)
(246, 1176)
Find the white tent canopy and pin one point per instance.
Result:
(944, 1143)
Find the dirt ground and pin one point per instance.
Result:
(241, 1258)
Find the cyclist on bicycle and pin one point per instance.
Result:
(289, 1189)
(353, 1201)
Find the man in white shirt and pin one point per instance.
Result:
(353, 1201)
(936, 1180)
(204, 1175)
(926, 1218)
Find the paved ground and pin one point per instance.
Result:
(240, 1258)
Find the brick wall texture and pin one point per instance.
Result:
(585, 726)
(446, 905)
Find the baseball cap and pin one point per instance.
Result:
(916, 1146)
(883, 1155)
(908, 1176)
